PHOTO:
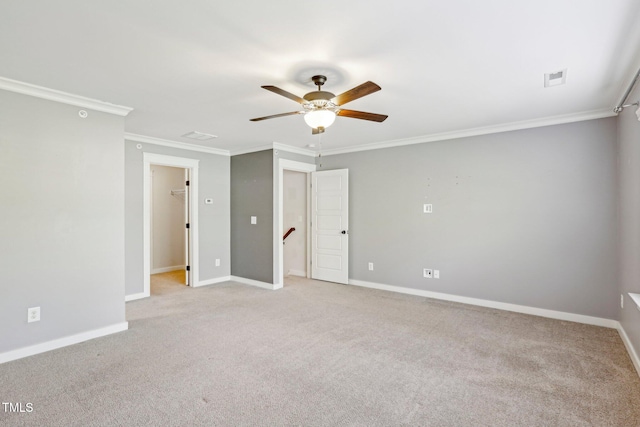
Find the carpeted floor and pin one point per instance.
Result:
(317, 353)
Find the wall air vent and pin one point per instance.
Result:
(199, 136)
(556, 78)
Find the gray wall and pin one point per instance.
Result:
(62, 228)
(254, 180)
(525, 217)
(252, 195)
(213, 219)
(629, 179)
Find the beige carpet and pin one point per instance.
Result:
(317, 353)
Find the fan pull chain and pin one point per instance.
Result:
(320, 149)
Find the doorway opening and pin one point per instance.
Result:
(304, 169)
(169, 235)
(294, 216)
(176, 179)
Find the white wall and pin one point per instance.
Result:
(168, 219)
(295, 215)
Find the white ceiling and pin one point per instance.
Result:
(443, 66)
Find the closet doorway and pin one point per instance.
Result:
(169, 216)
(187, 170)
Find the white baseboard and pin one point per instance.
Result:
(552, 314)
(134, 297)
(257, 283)
(168, 269)
(62, 342)
(632, 351)
(297, 273)
(212, 281)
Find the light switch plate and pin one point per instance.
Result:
(254, 220)
(427, 208)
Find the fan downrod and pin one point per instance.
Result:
(318, 80)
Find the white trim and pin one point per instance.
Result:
(62, 342)
(632, 351)
(635, 298)
(257, 283)
(134, 297)
(275, 146)
(295, 150)
(297, 273)
(212, 281)
(168, 269)
(180, 162)
(506, 127)
(278, 214)
(174, 144)
(63, 97)
(552, 314)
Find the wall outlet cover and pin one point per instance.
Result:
(427, 272)
(33, 314)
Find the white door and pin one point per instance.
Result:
(330, 225)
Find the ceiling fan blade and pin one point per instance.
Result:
(355, 93)
(315, 131)
(285, 94)
(362, 115)
(276, 115)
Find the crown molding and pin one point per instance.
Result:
(295, 150)
(275, 146)
(174, 144)
(63, 97)
(506, 127)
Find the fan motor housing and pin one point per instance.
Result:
(319, 95)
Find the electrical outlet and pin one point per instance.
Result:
(370, 266)
(621, 300)
(217, 262)
(428, 273)
(33, 314)
(436, 274)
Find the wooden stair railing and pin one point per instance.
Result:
(291, 230)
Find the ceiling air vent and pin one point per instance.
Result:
(199, 136)
(556, 78)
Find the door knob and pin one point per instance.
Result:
(344, 231)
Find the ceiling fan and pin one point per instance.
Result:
(320, 108)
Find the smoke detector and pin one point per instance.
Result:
(556, 78)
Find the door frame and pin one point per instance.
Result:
(278, 218)
(179, 162)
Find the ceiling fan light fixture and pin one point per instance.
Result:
(320, 118)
